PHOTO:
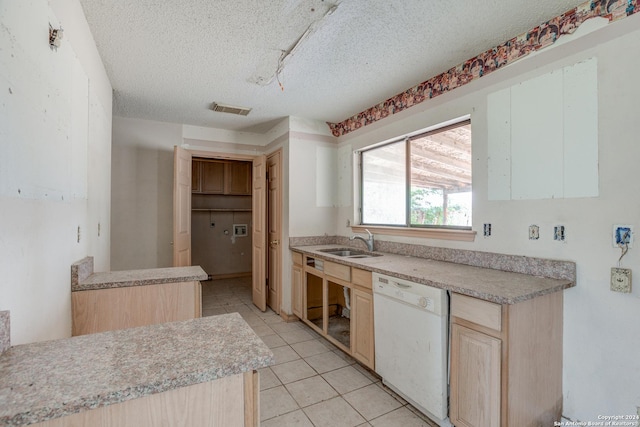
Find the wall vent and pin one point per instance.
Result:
(221, 108)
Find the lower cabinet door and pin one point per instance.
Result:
(362, 334)
(296, 290)
(475, 378)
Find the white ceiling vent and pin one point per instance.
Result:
(221, 108)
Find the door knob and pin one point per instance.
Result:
(274, 242)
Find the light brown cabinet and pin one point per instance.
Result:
(336, 301)
(228, 401)
(211, 177)
(506, 362)
(196, 167)
(296, 284)
(476, 392)
(221, 177)
(100, 310)
(362, 336)
(237, 178)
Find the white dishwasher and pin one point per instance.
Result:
(411, 342)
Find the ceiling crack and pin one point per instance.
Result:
(288, 53)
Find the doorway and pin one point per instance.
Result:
(221, 223)
(266, 255)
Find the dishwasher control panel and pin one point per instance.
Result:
(418, 295)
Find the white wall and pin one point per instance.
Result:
(310, 178)
(313, 179)
(142, 193)
(313, 212)
(601, 328)
(55, 163)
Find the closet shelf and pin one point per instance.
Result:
(219, 210)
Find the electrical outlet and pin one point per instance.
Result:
(534, 232)
(487, 230)
(622, 234)
(558, 233)
(621, 280)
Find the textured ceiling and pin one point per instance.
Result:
(169, 60)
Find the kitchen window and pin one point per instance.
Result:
(419, 181)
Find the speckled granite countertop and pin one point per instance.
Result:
(498, 286)
(83, 278)
(5, 331)
(52, 379)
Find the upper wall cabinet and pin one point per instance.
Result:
(221, 177)
(237, 178)
(211, 177)
(543, 136)
(195, 176)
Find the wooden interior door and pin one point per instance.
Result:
(181, 207)
(274, 221)
(259, 215)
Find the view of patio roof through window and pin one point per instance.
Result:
(419, 180)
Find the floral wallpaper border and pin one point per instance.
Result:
(512, 50)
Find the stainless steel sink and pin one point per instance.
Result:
(344, 253)
(350, 253)
(365, 256)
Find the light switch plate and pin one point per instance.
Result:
(621, 280)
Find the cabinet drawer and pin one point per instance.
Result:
(361, 278)
(337, 270)
(478, 311)
(296, 257)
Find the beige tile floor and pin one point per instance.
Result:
(313, 383)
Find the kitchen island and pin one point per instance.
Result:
(106, 301)
(199, 372)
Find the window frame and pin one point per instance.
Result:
(447, 232)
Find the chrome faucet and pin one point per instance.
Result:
(368, 242)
